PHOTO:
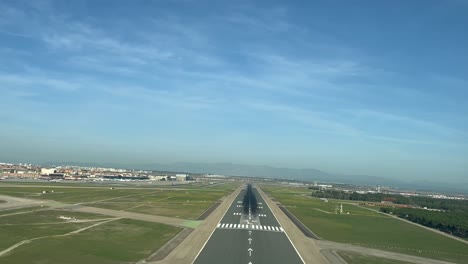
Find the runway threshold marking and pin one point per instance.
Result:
(250, 227)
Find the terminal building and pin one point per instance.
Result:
(46, 171)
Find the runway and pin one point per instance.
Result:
(258, 240)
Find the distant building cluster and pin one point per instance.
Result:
(29, 171)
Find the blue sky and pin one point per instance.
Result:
(354, 87)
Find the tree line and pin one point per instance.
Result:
(367, 197)
(455, 223)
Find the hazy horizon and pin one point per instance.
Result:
(375, 89)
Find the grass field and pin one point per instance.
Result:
(15, 228)
(117, 241)
(70, 195)
(121, 241)
(354, 258)
(367, 228)
(22, 210)
(46, 216)
(188, 203)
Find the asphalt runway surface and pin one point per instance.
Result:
(261, 242)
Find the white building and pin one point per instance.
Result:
(181, 177)
(45, 171)
(158, 178)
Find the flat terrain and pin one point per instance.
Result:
(186, 203)
(354, 258)
(367, 228)
(15, 228)
(54, 223)
(119, 241)
(21, 210)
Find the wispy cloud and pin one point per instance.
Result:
(160, 97)
(37, 82)
(319, 121)
(274, 21)
(83, 37)
(244, 62)
(422, 126)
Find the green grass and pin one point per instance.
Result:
(46, 216)
(121, 241)
(355, 258)
(186, 203)
(10, 235)
(70, 195)
(367, 228)
(21, 210)
(15, 228)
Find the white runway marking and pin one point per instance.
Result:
(250, 227)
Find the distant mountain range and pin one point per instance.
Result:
(230, 169)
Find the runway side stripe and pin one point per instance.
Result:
(218, 225)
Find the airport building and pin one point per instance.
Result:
(45, 171)
(181, 177)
